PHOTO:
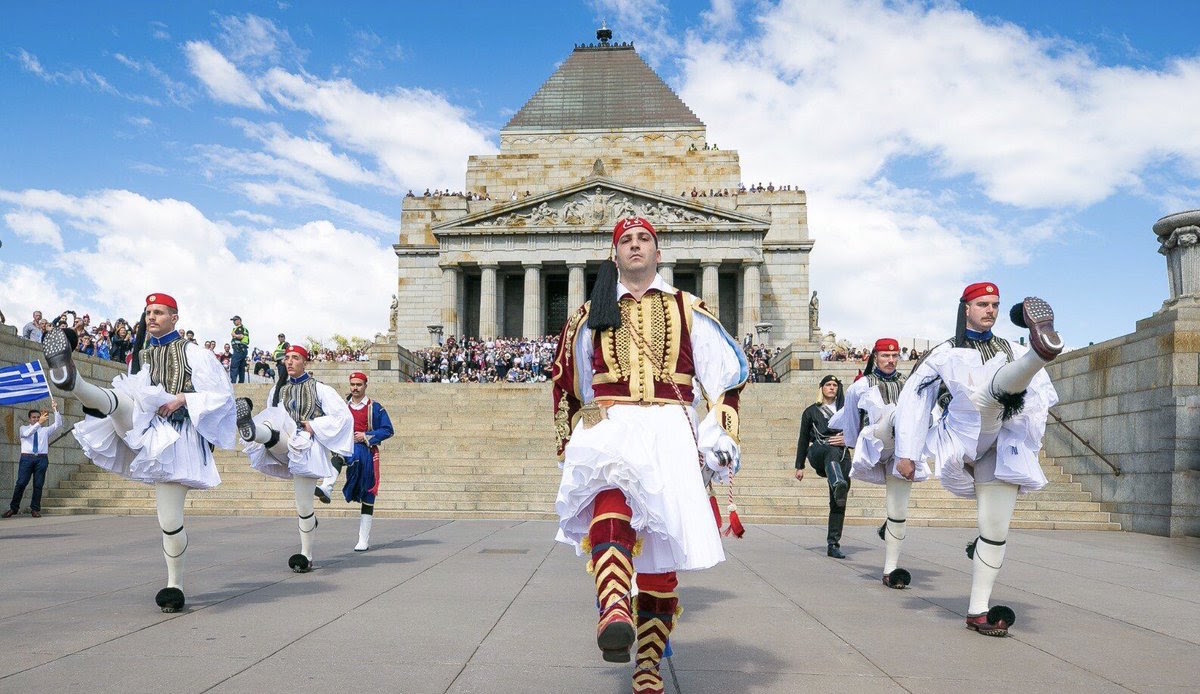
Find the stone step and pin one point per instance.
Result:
(492, 495)
(520, 485)
(956, 517)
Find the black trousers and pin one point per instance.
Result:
(832, 463)
(31, 467)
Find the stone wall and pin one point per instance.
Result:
(1136, 399)
(658, 161)
(64, 452)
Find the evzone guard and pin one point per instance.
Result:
(372, 426)
(632, 494)
(157, 424)
(867, 422)
(994, 397)
(304, 423)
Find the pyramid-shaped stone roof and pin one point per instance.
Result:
(602, 87)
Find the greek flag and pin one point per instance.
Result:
(22, 383)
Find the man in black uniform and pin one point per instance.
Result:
(825, 448)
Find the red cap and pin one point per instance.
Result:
(887, 344)
(297, 349)
(632, 223)
(359, 375)
(162, 299)
(974, 291)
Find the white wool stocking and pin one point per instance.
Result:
(304, 509)
(898, 491)
(106, 401)
(996, 503)
(169, 498)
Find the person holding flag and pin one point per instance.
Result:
(35, 458)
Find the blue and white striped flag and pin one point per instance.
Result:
(23, 383)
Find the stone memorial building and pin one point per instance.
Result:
(603, 138)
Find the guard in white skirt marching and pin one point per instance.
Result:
(294, 437)
(156, 425)
(994, 397)
(867, 421)
(629, 366)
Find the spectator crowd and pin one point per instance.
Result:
(501, 360)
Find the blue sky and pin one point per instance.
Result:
(257, 152)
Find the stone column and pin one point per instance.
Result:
(667, 270)
(532, 323)
(1179, 240)
(450, 298)
(751, 296)
(487, 302)
(710, 286)
(576, 287)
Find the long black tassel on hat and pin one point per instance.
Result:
(139, 342)
(960, 326)
(605, 311)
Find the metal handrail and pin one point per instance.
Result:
(1115, 468)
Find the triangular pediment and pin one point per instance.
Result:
(595, 205)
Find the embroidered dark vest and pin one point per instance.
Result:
(300, 400)
(169, 366)
(624, 372)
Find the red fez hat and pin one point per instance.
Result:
(974, 291)
(297, 349)
(887, 344)
(162, 299)
(359, 375)
(633, 223)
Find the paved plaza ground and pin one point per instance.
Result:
(497, 606)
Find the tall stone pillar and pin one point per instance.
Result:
(751, 296)
(576, 287)
(487, 302)
(710, 287)
(450, 298)
(533, 319)
(667, 270)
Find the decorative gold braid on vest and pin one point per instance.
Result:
(169, 366)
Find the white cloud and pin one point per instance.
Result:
(255, 40)
(833, 91)
(75, 76)
(36, 227)
(1010, 134)
(222, 78)
(313, 154)
(417, 136)
(642, 21)
(179, 93)
(254, 217)
(278, 279)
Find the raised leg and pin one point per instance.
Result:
(611, 539)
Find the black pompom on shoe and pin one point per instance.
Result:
(897, 578)
(170, 599)
(299, 563)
